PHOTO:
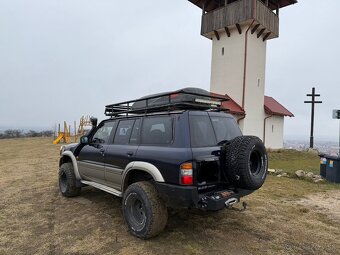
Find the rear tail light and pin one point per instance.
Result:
(186, 174)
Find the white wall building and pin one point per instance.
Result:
(273, 121)
(239, 30)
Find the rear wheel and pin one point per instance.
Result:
(67, 181)
(246, 162)
(144, 211)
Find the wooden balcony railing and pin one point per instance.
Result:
(240, 12)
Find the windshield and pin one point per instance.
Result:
(208, 131)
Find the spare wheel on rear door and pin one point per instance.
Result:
(246, 162)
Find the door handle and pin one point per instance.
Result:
(102, 151)
(130, 153)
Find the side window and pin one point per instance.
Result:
(135, 132)
(201, 132)
(157, 130)
(123, 132)
(225, 128)
(103, 133)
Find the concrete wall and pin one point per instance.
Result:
(227, 75)
(227, 69)
(274, 132)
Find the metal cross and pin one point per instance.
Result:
(313, 102)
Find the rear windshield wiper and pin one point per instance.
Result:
(223, 142)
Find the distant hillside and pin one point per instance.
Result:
(323, 146)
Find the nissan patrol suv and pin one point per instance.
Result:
(177, 149)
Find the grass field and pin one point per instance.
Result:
(286, 216)
(291, 161)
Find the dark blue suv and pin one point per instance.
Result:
(178, 149)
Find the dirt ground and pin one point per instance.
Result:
(327, 203)
(286, 216)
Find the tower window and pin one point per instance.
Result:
(222, 51)
(272, 128)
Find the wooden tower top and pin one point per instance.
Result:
(223, 15)
(210, 5)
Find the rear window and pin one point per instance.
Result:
(157, 130)
(208, 131)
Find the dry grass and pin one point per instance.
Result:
(36, 219)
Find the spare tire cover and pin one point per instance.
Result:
(246, 162)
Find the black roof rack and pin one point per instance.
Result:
(183, 99)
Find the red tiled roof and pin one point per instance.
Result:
(231, 105)
(273, 107)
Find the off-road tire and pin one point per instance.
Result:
(246, 162)
(142, 198)
(67, 181)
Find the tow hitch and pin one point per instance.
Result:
(222, 199)
(231, 201)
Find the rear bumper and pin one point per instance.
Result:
(177, 196)
(218, 200)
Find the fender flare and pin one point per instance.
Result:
(142, 166)
(74, 163)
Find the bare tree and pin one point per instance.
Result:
(12, 133)
(15, 133)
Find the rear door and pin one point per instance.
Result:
(91, 160)
(204, 149)
(123, 151)
(207, 132)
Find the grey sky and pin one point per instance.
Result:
(60, 59)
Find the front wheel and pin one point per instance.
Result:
(67, 181)
(144, 211)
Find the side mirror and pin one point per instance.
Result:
(84, 140)
(94, 121)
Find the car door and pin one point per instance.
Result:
(119, 154)
(91, 158)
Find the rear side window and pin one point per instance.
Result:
(157, 130)
(123, 132)
(208, 131)
(225, 128)
(201, 132)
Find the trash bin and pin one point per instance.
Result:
(323, 164)
(332, 169)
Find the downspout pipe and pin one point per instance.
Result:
(241, 118)
(245, 65)
(264, 127)
(246, 55)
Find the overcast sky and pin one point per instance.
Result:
(60, 59)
